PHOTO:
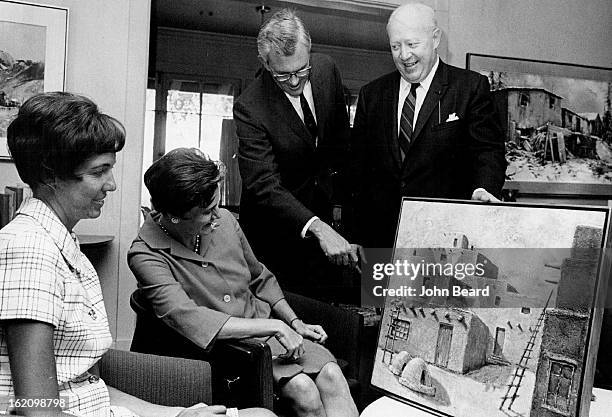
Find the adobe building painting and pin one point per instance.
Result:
(520, 349)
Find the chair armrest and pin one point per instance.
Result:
(242, 373)
(343, 327)
(250, 360)
(157, 379)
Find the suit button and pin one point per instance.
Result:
(227, 298)
(403, 184)
(93, 379)
(204, 264)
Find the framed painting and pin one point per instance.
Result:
(32, 56)
(494, 310)
(557, 124)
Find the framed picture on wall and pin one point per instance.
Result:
(33, 41)
(556, 119)
(494, 310)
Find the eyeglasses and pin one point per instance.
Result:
(284, 77)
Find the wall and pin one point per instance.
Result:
(230, 56)
(554, 30)
(107, 61)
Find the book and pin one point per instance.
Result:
(5, 203)
(18, 190)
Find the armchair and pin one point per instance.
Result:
(242, 370)
(157, 379)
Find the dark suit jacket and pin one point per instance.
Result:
(286, 180)
(446, 159)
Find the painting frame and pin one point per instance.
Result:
(593, 320)
(485, 62)
(54, 20)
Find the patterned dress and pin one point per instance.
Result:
(45, 277)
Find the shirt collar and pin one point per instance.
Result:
(156, 238)
(426, 81)
(66, 241)
(307, 93)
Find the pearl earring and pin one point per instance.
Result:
(174, 220)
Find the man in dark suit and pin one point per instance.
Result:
(425, 130)
(292, 128)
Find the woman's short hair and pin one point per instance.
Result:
(281, 34)
(56, 132)
(181, 180)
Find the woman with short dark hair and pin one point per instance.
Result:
(198, 274)
(53, 324)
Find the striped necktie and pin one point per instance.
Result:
(405, 134)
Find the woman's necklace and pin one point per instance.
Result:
(196, 247)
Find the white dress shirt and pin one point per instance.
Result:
(295, 102)
(421, 92)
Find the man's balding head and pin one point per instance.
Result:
(414, 37)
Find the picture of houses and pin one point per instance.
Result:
(517, 351)
(556, 129)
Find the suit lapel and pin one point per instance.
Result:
(390, 98)
(318, 96)
(153, 236)
(437, 89)
(282, 107)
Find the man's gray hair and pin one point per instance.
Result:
(281, 34)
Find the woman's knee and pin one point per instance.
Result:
(331, 378)
(256, 412)
(303, 392)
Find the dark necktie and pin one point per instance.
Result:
(405, 134)
(309, 119)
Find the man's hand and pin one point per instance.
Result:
(334, 246)
(313, 332)
(481, 194)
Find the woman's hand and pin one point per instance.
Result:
(313, 332)
(291, 340)
(203, 410)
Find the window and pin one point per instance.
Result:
(497, 300)
(559, 385)
(524, 99)
(401, 329)
(551, 102)
(525, 310)
(149, 133)
(196, 113)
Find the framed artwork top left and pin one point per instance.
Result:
(33, 42)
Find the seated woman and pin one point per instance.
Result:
(197, 272)
(53, 323)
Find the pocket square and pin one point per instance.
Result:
(452, 117)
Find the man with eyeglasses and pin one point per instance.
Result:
(293, 131)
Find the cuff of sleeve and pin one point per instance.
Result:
(307, 225)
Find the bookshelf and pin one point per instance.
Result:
(92, 241)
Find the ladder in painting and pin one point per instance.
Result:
(390, 336)
(519, 372)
